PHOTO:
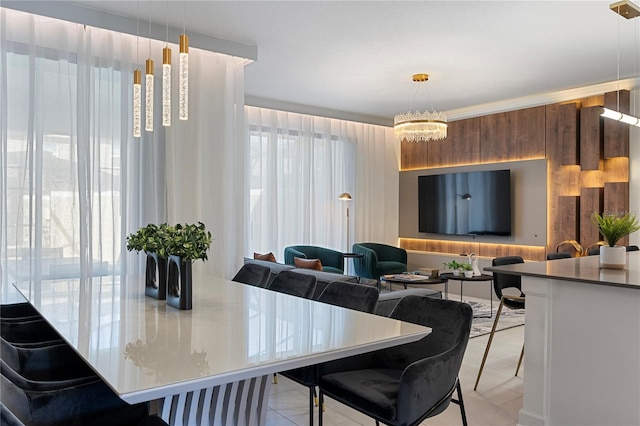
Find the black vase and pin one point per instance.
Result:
(156, 276)
(179, 283)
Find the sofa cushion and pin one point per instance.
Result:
(307, 263)
(269, 257)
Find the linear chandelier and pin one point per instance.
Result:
(627, 10)
(416, 126)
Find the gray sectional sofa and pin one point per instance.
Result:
(386, 302)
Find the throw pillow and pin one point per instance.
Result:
(269, 257)
(308, 263)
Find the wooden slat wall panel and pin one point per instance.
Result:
(616, 199)
(566, 211)
(616, 134)
(462, 145)
(562, 133)
(591, 200)
(413, 155)
(591, 138)
(486, 250)
(514, 135)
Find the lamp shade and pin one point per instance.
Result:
(345, 196)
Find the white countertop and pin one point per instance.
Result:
(145, 349)
(584, 269)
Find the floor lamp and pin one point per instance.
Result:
(345, 196)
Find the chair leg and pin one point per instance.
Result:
(312, 391)
(486, 351)
(315, 395)
(520, 360)
(275, 378)
(461, 404)
(320, 410)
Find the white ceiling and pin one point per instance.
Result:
(358, 56)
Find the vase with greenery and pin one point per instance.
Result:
(614, 226)
(454, 266)
(153, 240)
(466, 269)
(188, 242)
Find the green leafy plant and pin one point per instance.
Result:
(190, 242)
(453, 265)
(151, 239)
(466, 267)
(614, 226)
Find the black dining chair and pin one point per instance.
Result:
(502, 281)
(253, 274)
(358, 297)
(18, 312)
(30, 333)
(293, 283)
(560, 255)
(65, 402)
(406, 384)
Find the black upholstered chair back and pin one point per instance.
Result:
(504, 281)
(358, 297)
(450, 323)
(633, 248)
(560, 255)
(293, 283)
(253, 274)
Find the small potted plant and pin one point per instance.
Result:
(467, 269)
(187, 243)
(153, 240)
(454, 266)
(613, 227)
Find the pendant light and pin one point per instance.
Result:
(416, 126)
(137, 84)
(166, 78)
(149, 85)
(183, 74)
(627, 10)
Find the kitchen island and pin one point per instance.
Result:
(582, 342)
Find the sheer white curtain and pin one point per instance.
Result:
(205, 159)
(300, 164)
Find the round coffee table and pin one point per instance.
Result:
(405, 279)
(476, 278)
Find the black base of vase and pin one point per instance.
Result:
(179, 283)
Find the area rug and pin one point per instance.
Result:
(482, 321)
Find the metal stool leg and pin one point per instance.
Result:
(520, 360)
(486, 351)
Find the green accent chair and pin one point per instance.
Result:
(332, 260)
(378, 260)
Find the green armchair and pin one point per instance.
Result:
(378, 260)
(332, 260)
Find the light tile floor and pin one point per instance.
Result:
(495, 403)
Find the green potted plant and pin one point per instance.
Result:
(614, 226)
(467, 270)
(187, 243)
(153, 240)
(454, 266)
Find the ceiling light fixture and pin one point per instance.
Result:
(166, 78)
(627, 10)
(137, 84)
(149, 85)
(183, 72)
(416, 126)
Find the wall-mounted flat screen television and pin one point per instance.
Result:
(469, 203)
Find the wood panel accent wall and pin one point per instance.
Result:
(616, 134)
(514, 135)
(591, 138)
(587, 169)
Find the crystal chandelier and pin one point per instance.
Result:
(416, 126)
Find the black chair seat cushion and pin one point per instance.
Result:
(513, 304)
(375, 391)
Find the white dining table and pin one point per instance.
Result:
(211, 364)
